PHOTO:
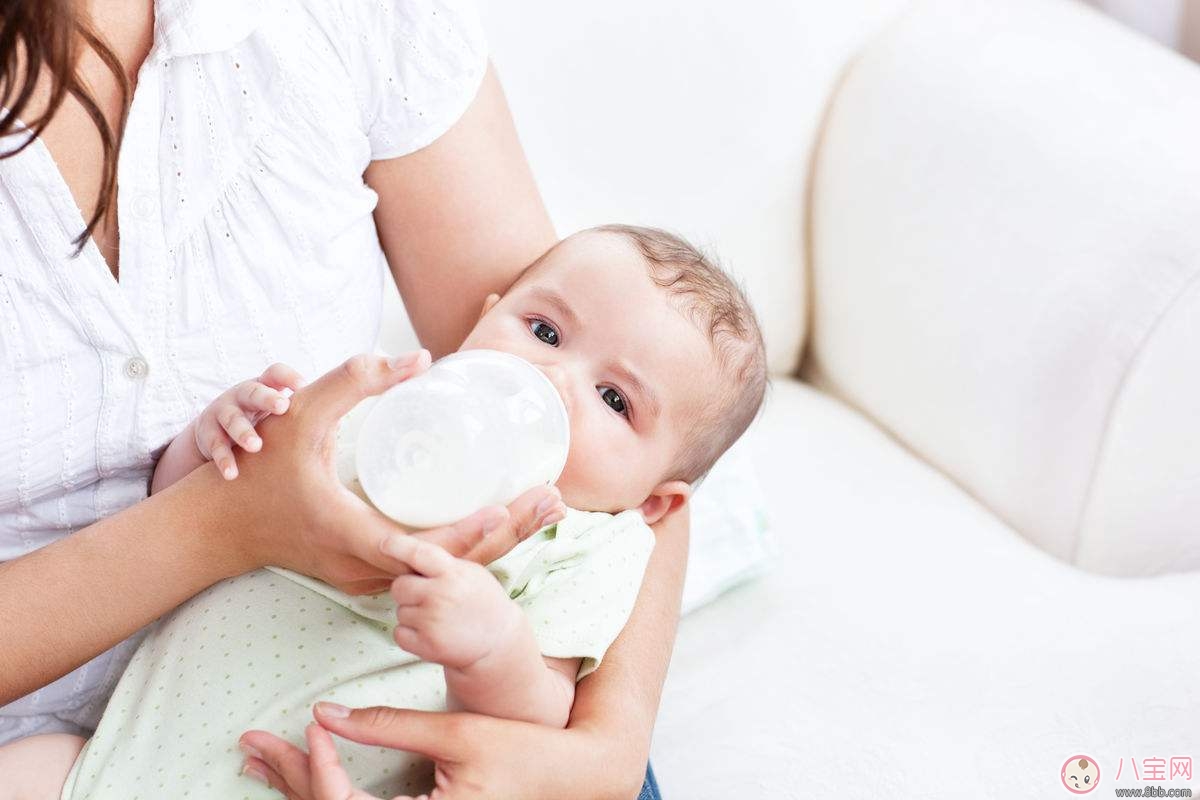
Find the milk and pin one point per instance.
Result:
(478, 428)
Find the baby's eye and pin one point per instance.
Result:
(544, 331)
(614, 400)
(1087, 778)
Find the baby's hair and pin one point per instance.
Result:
(720, 308)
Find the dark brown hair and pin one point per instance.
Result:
(38, 35)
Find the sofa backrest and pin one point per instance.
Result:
(1006, 269)
(696, 116)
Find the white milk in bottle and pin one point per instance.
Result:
(478, 428)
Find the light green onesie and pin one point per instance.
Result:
(258, 650)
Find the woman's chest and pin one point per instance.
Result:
(246, 238)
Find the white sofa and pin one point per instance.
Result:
(972, 229)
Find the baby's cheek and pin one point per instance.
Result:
(583, 480)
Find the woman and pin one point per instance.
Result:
(243, 233)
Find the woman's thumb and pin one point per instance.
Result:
(426, 733)
(336, 392)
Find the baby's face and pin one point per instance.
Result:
(631, 369)
(1080, 774)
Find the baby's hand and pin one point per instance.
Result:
(232, 416)
(450, 611)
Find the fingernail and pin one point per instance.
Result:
(493, 520)
(391, 547)
(230, 473)
(555, 515)
(281, 405)
(408, 359)
(546, 504)
(333, 710)
(248, 750)
(399, 362)
(254, 771)
(254, 441)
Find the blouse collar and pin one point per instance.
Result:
(192, 27)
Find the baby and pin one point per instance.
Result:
(660, 363)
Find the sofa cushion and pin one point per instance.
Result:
(906, 643)
(1005, 271)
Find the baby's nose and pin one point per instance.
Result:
(558, 378)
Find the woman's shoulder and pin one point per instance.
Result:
(415, 65)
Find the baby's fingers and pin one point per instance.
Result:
(281, 376)
(255, 396)
(235, 422)
(214, 443)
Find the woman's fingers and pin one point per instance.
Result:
(373, 531)
(466, 534)
(423, 557)
(535, 509)
(287, 765)
(261, 771)
(493, 530)
(435, 735)
(329, 778)
(336, 392)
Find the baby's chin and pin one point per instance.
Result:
(592, 498)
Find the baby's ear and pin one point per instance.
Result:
(489, 303)
(666, 497)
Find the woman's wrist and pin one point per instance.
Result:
(110, 579)
(224, 528)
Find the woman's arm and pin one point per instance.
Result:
(601, 755)
(457, 220)
(69, 601)
(619, 701)
(460, 219)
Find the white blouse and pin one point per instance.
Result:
(246, 237)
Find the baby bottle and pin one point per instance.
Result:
(478, 428)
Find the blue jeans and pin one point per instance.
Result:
(649, 787)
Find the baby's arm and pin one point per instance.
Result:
(35, 768)
(454, 612)
(228, 419)
(516, 682)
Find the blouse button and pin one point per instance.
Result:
(136, 368)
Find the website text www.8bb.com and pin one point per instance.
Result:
(1150, 790)
(1081, 774)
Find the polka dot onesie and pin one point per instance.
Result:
(258, 650)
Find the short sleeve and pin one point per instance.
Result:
(580, 588)
(417, 65)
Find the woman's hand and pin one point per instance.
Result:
(604, 747)
(296, 514)
(286, 508)
(477, 757)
